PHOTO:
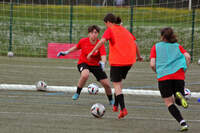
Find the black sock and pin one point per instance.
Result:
(175, 113)
(109, 97)
(120, 99)
(116, 101)
(178, 101)
(78, 90)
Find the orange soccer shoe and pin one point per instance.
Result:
(115, 108)
(123, 113)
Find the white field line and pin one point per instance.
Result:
(88, 116)
(85, 90)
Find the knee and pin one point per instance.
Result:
(85, 76)
(118, 92)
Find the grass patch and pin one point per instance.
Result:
(34, 26)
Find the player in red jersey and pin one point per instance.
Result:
(95, 65)
(169, 60)
(123, 51)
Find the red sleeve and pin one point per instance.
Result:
(107, 34)
(182, 49)
(78, 45)
(102, 50)
(153, 52)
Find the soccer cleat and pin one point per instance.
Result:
(111, 102)
(182, 99)
(115, 108)
(75, 96)
(183, 128)
(123, 113)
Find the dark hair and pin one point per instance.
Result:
(112, 18)
(168, 34)
(93, 27)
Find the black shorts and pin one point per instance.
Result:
(95, 70)
(170, 87)
(117, 73)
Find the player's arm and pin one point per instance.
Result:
(103, 62)
(99, 44)
(153, 58)
(153, 64)
(188, 58)
(139, 58)
(63, 53)
(186, 54)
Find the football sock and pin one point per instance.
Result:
(78, 90)
(116, 101)
(178, 101)
(183, 123)
(175, 113)
(120, 99)
(109, 97)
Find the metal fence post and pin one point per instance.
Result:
(193, 23)
(11, 23)
(131, 21)
(71, 19)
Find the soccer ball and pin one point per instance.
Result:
(93, 88)
(41, 86)
(97, 110)
(10, 54)
(199, 61)
(187, 93)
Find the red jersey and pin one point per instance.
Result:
(179, 75)
(86, 47)
(108, 35)
(122, 51)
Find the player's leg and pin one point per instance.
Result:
(84, 71)
(116, 75)
(179, 93)
(174, 111)
(103, 79)
(166, 91)
(116, 103)
(105, 83)
(120, 99)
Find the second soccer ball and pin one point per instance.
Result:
(93, 88)
(41, 86)
(187, 93)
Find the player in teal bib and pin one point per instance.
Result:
(169, 59)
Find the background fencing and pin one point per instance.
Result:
(27, 26)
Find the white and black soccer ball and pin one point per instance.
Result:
(199, 61)
(41, 86)
(93, 88)
(187, 93)
(97, 110)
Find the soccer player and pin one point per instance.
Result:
(96, 65)
(122, 55)
(169, 60)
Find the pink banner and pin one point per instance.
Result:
(55, 48)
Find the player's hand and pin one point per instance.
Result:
(139, 59)
(62, 53)
(102, 64)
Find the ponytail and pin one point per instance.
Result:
(112, 18)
